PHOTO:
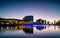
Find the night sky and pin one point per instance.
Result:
(41, 9)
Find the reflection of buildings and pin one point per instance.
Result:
(40, 27)
(59, 27)
(28, 30)
(25, 29)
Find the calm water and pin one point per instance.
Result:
(30, 31)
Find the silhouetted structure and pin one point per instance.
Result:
(40, 21)
(29, 18)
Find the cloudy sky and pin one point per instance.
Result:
(40, 9)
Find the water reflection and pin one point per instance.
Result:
(58, 26)
(35, 30)
(28, 28)
(40, 28)
(25, 28)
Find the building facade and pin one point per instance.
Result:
(29, 18)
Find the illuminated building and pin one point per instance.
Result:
(13, 21)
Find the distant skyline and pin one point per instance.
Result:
(47, 10)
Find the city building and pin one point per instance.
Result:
(29, 18)
(40, 21)
(13, 21)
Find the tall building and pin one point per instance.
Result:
(40, 21)
(28, 18)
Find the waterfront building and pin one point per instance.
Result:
(13, 21)
(40, 21)
(29, 18)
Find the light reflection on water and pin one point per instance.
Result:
(30, 31)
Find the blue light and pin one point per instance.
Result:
(31, 26)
